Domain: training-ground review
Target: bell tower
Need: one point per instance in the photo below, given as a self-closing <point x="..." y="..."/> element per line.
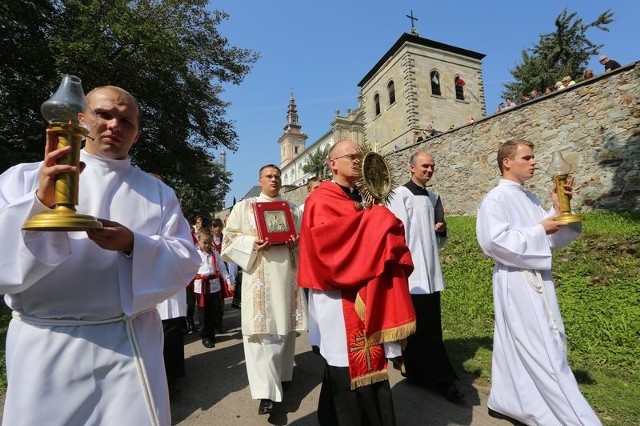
<point x="293" y="139"/>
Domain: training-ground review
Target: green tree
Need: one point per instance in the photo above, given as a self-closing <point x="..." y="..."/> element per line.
<point x="317" y="163"/>
<point x="26" y="78"/>
<point x="167" y="53"/>
<point x="563" y="52"/>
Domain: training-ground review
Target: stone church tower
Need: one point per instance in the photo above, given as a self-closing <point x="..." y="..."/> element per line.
<point x="293" y="139"/>
<point x="417" y="85"/>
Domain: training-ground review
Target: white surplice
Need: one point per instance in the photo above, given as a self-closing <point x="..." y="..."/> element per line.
<point x="530" y="378"/>
<point x="85" y="311"/>
<point x="417" y="215"/>
<point x="174" y="307"/>
<point x="272" y="302"/>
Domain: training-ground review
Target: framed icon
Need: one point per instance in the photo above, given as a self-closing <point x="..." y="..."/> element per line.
<point x="274" y="221"/>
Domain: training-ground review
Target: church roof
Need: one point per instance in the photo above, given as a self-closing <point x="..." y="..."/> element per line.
<point x="253" y="192"/>
<point x="256" y="190"/>
<point x="411" y="38"/>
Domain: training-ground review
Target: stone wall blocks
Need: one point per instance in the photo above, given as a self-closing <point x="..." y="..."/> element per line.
<point x="597" y="125"/>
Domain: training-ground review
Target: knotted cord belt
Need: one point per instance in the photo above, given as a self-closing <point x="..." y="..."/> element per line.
<point x="133" y="340"/>
<point x="534" y="279"/>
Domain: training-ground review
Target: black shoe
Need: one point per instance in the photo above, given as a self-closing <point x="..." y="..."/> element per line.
<point x="398" y="364"/>
<point x="208" y="343"/>
<point x="315" y="349"/>
<point x="501" y="416"/>
<point x="191" y="326"/>
<point x="450" y="392"/>
<point x="266" y="406"/>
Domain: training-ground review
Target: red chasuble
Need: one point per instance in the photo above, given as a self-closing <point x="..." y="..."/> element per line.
<point x="363" y="254"/>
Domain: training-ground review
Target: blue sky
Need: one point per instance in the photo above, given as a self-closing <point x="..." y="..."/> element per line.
<point x="321" y="49"/>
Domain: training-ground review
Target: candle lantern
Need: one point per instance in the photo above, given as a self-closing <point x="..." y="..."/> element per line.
<point x="560" y="169"/>
<point x="71" y="118"/>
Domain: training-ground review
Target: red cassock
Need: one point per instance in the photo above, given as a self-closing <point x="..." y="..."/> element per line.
<point x="364" y="255"/>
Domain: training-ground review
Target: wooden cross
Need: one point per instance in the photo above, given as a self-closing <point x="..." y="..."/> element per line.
<point x="363" y="346"/>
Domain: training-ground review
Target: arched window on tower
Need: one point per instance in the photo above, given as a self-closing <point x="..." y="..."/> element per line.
<point x="459" y="83"/>
<point x="435" y="83"/>
<point x="376" y="103"/>
<point x="392" y="92"/>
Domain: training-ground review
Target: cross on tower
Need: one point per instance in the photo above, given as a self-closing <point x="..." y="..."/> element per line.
<point x="413" y="27"/>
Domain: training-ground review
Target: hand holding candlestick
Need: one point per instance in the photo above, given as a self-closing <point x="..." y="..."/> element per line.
<point x="70" y="119"/>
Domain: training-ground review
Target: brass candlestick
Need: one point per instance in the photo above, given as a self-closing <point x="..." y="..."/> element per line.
<point x="70" y="117"/>
<point x="560" y="170"/>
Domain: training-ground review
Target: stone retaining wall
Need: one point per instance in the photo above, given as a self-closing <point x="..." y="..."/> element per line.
<point x="596" y="125"/>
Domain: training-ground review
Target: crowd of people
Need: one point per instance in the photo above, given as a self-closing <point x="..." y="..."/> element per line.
<point x="564" y="83"/>
<point x="99" y="315"/>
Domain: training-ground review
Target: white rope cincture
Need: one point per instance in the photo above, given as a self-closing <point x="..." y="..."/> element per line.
<point x="534" y="279"/>
<point x="133" y="341"/>
<point x="142" y="371"/>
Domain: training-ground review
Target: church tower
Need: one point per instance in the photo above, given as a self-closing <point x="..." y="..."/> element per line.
<point x="293" y="139"/>
<point x="420" y="87"/>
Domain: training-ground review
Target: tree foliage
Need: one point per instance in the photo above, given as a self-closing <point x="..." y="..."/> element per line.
<point x="167" y="53"/>
<point x="564" y="52"/>
<point x="317" y="163"/>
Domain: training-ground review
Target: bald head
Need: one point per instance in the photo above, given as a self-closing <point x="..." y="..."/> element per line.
<point x="344" y="162"/>
<point x="122" y="95"/>
<point x="421" y="165"/>
<point x="337" y="149"/>
<point x="117" y="127"/>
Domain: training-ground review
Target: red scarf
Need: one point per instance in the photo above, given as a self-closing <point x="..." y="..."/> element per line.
<point x="217" y="246"/>
<point x="205" y="289"/>
<point x="363" y="254"/>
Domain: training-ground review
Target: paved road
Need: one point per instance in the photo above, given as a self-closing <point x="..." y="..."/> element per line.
<point x="216" y="390"/>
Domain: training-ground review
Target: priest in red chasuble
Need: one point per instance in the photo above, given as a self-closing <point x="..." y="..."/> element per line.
<point x="355" y="262"/>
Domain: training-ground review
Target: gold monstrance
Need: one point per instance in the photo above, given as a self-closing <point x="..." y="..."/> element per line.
<point x="70" y="116"/>
<point x="560" y="169"/>
<point x="374" y="181"/>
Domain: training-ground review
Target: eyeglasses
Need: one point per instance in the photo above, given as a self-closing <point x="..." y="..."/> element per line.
<point x="351" y="157"/>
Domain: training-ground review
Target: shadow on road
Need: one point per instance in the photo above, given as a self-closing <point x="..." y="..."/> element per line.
<point x="211" y="374"/>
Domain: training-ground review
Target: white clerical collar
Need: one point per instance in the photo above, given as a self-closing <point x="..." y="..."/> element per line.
<point x="512" y="184"/>
<point x="107" y="163"/>
<point x="263" y="195"/>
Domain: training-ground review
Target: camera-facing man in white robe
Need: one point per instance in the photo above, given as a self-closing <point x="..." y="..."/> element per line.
<point x="85" y="344"/>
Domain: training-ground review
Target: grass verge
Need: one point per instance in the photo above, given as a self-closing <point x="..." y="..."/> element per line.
<point x="598" y="279"/>
<point x="598" y="287"/>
